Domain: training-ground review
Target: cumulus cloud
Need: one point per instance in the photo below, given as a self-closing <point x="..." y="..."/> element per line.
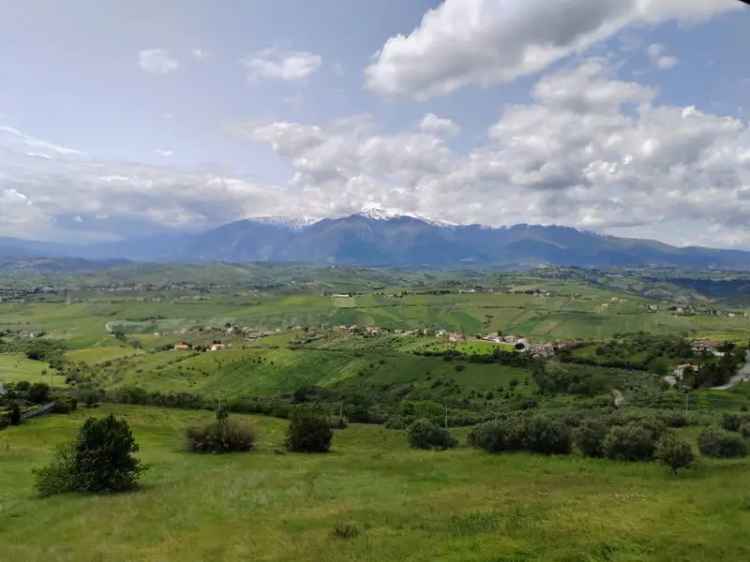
<point x="281" y="64"/>
<point x="483" y="42"/>
<point x="157" y="61"/>
<point x="658" y="57"/>
<point x="71" y="196"/>
<point x="590" y="151"/>
<point x="431" y="123"/>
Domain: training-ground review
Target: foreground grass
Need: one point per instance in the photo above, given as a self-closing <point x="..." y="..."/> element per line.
<point x="460" y="505"/>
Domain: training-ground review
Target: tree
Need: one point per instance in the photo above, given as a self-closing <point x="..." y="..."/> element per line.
<point x="631" y="442"/>
<point x="99" y="460"/>
<point x="309" y="433"/>
<point x="674" y="452"/>
<point x="15" y="414"/>
<point x="589" y="438"/>
<point x="39" y="393"/>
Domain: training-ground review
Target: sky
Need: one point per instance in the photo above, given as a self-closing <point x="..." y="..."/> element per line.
<point x="624" y="117"/>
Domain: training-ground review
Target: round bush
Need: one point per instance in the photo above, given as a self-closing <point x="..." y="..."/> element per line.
<point x="499" y="436"/>
<point x="548" y="436"/>
<point x="631" y="442"/>
<point x="222" y="436"/>
<point x="715" y="442"/>
<point x="589" y="438"/>
<point x="309" y="433"/>
<point x="674" y="453"/>
<point x="423" y="434"/>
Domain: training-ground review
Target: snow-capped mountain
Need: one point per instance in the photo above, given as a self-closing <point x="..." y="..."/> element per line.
<point x="376" y="237"/>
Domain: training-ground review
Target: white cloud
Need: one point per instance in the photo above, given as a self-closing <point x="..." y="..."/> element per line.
<point x="483" y="42"/>
<point x="43" y="198"/>
<point x="199" y="54"/>
<point x="164" y="152"/>
<point x="431" y="123"/>
<point x="157" y="61"/>
<point x="280" y="64"/>
<point x="658" y="57"/>
<point x="590" y="151"/>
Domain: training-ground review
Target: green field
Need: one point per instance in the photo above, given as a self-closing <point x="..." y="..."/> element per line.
<point x="15" y="367"/>
<point x="462" y="505"/>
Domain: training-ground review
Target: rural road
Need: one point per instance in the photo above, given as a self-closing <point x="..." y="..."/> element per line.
<point x="741" y="376"/>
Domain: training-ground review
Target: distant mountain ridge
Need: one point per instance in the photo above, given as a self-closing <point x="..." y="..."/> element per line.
<point x="375" y="238"/>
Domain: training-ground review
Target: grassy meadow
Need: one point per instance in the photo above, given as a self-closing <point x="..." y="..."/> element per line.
<point x="458" y="505"/>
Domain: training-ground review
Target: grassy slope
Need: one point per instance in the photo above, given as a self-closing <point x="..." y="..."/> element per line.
<point x="15" y="367"/>
<point x="461" y="505"/>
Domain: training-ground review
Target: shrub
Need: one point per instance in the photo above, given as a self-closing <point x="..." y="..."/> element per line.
<point x="221" y="436"/>
<point x="65" y="405"/>
<point x="15" y="414"/>
<point x="589" y="438"/>
<point x="499" y="436"/>
<point x="745" y="430"/>
<point x="733" y="422"/>
<point x="396" y="422"/>
<point x="716" y="442"/>
<point x="548" y="436"/>
<point x="423" y="434"/>
<point x="631" y="442"/>
<point x="345" y="530"/>
<point x="100" y="460"/>
<point x="309" y="433"/>
<point x="674" y="452"/>
<point x="39" y="393"/>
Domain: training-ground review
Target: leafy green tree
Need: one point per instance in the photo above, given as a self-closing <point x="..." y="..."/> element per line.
<point x="99" y="460"/>
<point x="15" y="414"/>
<point x="39" y="393"/>
<point x="674" y="453"/>
<point x="309" y="433"/>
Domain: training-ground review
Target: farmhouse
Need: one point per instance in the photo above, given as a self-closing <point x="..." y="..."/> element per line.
<point x="217" y="346"/>
<point x="183" y="346"/>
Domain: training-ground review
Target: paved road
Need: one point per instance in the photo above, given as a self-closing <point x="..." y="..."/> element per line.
<point x="742" y="376"/>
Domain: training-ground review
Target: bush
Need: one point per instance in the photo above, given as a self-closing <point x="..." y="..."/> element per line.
<point x="674" y="453"/>
<point x="396" y="422"/>
<point x="745" y="430"/>
<point x="309" y="433"/>
<point x="100" y="460"/>
<point x="65" y="405"/>
<point x="39" y="393"/>
<point x="631" y="442"/>
<point x="547" y="436"/>
<point x="345" y="530"/>
<point x="733" y="422"/>
<point x="423" y="434"/>
<point x="589" y="438"/>
<point x="716" y="442"/>
<point x="499" y="436"/>
<point x="222" y="436"/>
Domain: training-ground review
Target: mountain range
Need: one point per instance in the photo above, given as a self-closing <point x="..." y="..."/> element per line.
<point x="380" y="239"/>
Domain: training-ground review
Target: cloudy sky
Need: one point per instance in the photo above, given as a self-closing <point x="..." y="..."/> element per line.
<point x="626" y="117"/>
